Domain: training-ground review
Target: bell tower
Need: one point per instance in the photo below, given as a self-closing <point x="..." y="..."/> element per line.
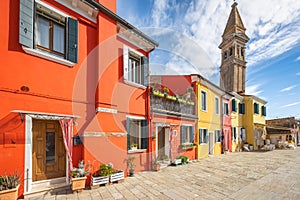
<point x="233" y="45"/>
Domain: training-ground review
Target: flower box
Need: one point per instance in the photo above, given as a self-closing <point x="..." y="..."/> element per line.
<point x="177" y="161"/>
<point x="99" y="180"/>
<point x="188" y="146"/>
<point x="10" y="194"/>
<point x="117" y="176"/>
<point x="157" y="93"/>
<point x="171" y="97"/>
<point x="78" y="183"/>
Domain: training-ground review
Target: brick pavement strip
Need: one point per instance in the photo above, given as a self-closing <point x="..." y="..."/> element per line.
<point x="243" y="175"/>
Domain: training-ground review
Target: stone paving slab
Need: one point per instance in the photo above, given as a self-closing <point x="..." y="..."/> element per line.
<point x="242" y="175"/>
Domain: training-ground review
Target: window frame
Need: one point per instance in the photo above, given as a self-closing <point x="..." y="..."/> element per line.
<point x="142" y="131"/>
<point x="226" y="108"/>
<point x="256" y="108"/>
<point x="205" y="102"/>
<point x="28" y="29"/>
<point x="233" y="105"/>
<point x="203" y="136"/>
<point x="189" y="134"/>
<point x="218" y="136"/>
<point x="217" y="105"/>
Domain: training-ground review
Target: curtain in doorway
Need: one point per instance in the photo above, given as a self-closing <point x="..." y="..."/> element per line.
<point x="67" y="130"/>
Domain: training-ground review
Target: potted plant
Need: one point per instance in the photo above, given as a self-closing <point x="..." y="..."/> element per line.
<point x="102" y="175"/>
<point x="9" y="186"/>
<point x="133" y="146"/>
<point x="155" y="165"/>
<point x="79" y="176"/>
<point x="131" y="165"/>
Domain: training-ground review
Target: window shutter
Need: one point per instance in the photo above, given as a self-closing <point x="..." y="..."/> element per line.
<point x="128" y="132"/>
<point x="233" y="105"/>
<point x="125" y="62"/>
<point x="145" y="68"/>
<point x="144" y="139"/>
<point x="26" y="23"/>
<point x="192" y="134"/>
<point x="182" y="133"/>
<point x="72" y="50"/>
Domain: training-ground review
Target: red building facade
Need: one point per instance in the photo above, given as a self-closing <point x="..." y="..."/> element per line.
<point x="74" y="86"/>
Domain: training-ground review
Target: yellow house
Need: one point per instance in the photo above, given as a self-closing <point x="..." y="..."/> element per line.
<point x="254" y="121"/>
<point x="237" y="121"/>
<point x="209" y="117"/>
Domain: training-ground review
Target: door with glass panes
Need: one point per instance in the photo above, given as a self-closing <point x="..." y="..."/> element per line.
<point x="48" y="152"/>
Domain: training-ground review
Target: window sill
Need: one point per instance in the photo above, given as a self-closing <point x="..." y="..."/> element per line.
<point x="135" y="84"/>
<point x="137" y="151"/>
<point x="47" y="56"/>
<point x="202" y="144"/>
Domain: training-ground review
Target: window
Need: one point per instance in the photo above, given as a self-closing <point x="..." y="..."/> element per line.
<point x="218" y="136"/>
<point x="203" y="101"/>
<point x="225" y="55"/>
<point x="234" y="136"/>
<point x="243" y="134"/>
<point x="54" y="33"/>
<point x="187" y="134"/>
<point x="137" y="133"/>
<point x="233" y="105"/>
<point x="241" y="108"/>
<point x="136" y="67"/>
<point x="226" y="109"/>
<point x="217" y="105"/>
<point x="203" y="136"/>
<point x="230" y="51"/>
<point x="256" y="108"/>
<point x="263" y="110"/>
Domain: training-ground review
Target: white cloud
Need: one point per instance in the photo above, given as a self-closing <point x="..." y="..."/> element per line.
<point x="291" y="104"/>
<point x="288" y="88"/>
<point x="254" y="89"/>
<point x="272" y="25"/>
<point x="297" y="59"/>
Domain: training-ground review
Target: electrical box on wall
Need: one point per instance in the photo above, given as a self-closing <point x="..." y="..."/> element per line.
<point x="77" y="140"/>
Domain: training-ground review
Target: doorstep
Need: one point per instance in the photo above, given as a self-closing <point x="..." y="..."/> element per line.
<point x="42" y="188"/>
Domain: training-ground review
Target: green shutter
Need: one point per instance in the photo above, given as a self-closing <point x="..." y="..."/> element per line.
<point x="72" y="50"/>
<point x="145" y="137"/>
<point x="200" y="136"/>
<point x="233" y="104"/>
<point x="145" y="68"/>
<point x="26" y="23"/>
<point x="192" y="134"/>
<point x="182" y="134"/>
<point x="128" y="132"/>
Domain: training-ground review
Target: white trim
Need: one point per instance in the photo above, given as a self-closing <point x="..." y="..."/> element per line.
<point x="45" y="115"/>
<point x="51" y="8"/>
<point x="79" y="10"/>
<point x="137" y="151"/>
<point x="48" y="56"/>
<point x="134" y="84"/>
<point x="187" y="125"/>
<point x="28" y="154"/>
<point x="106" y="110"/>
<point x="28" y="183"/>
<point x="135" y="117"/>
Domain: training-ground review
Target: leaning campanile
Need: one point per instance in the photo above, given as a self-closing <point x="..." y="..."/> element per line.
<point x="233" y="64"/>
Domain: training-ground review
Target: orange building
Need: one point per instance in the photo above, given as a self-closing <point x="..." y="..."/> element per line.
<point x="173" y="117"/>
<point x="74" y="85"/>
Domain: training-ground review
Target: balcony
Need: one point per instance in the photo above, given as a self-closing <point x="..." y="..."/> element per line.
<point x="172" y="105"/>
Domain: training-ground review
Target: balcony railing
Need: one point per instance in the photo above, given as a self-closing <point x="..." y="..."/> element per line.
<point x="171" y="105"/>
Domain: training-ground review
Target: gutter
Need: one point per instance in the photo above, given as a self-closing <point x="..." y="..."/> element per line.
<point x="114" y="16"/>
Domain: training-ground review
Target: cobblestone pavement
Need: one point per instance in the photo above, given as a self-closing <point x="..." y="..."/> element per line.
<point x="244" y="175"/>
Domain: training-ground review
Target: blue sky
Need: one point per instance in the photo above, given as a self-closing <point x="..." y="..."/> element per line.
<point x="189" y="32"/>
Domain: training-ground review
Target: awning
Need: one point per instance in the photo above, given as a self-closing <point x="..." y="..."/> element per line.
<point x="46" y="116"/>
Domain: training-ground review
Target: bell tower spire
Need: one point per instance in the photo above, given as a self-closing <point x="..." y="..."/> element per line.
<point x="233" y="45"/>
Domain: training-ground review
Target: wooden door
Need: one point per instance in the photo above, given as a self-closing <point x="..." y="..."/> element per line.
<point x="161" y="142"/>
<point x="48" y="152"/>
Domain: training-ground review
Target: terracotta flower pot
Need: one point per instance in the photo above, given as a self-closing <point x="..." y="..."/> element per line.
<point x="9" y="194"/>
